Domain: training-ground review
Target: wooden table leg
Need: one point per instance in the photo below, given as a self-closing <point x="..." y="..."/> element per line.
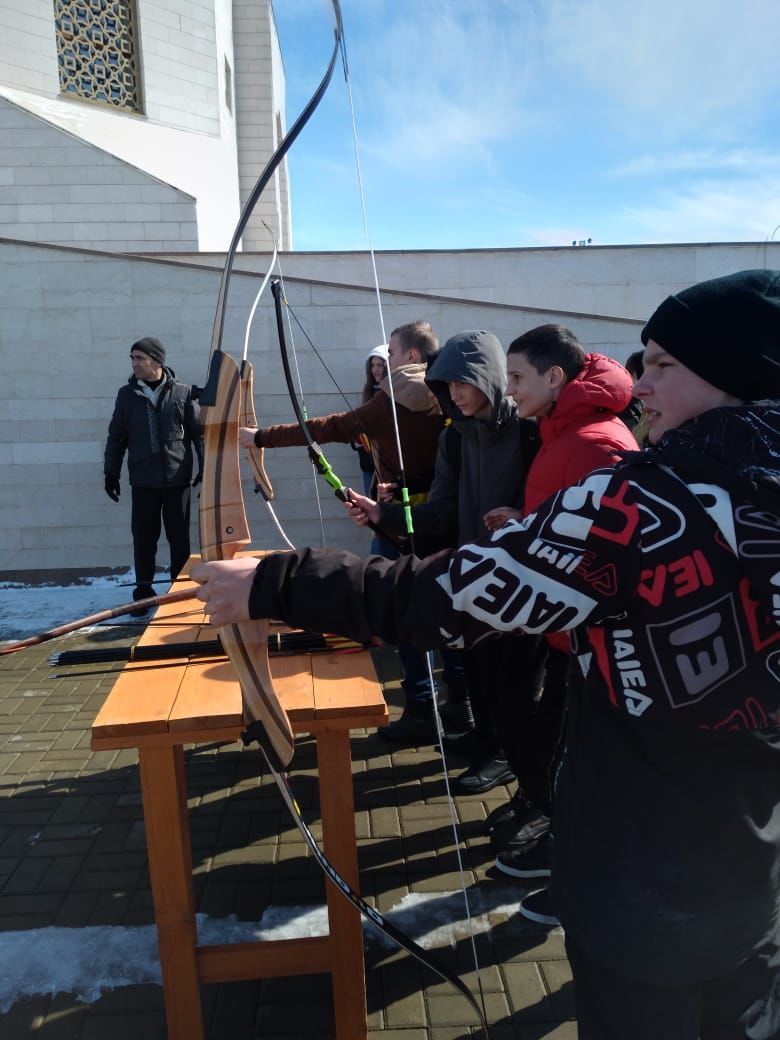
<point x="163" y="785"/>
<point x="337" y="805"/>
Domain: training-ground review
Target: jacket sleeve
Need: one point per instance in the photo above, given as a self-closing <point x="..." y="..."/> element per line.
<point x="575" y="561"/>
<point x="193" y="426"/>
<point x="116" y="444"/>
<point x="339" y="428"/>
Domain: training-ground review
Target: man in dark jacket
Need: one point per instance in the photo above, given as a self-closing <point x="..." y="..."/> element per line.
<point x="157" y="422"/>
<point x="666" y="843"/>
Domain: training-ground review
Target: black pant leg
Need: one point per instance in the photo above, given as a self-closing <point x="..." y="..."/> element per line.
<point x="548" y="726"/>
<point x="176" y="518"/>
<point x="519" y="675"/>
<point x="742" y="1005"/>
<point x="746" y="1002"/>
<point x="479" y="666"/>
<point x="610" y="1007"/>
<point x="145" y="526"/>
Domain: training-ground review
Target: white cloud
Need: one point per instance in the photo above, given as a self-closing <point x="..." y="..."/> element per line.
<point x="521" y="112"/>
<point x="705" y="160"/>
<point x="676" y="62"/>
<point x="447" y="81"/>
<point x="741" y="210"/>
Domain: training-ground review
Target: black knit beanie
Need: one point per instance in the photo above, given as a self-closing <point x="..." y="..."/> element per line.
<point x="727" y="331"/>
<point x="151" y="346"/>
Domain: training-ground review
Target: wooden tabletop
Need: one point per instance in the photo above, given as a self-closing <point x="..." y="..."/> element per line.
<point x="191" y="701"/>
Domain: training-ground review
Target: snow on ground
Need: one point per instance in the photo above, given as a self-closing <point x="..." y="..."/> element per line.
<point x="28" y="609"/>
<point x="89" y="961"/>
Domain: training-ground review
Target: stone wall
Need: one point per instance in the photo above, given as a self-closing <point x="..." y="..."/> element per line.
<point x="57" y="188"/>
<point x="69" y="317"/>
<point x="626" y="281"/>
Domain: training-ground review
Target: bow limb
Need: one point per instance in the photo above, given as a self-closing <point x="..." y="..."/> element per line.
<point x="255" y="456"/>
<point x="223" y="525"/>
<point x="316" y="454"/>
<point x="248" y="417"/>
<point x="284" y="146"/>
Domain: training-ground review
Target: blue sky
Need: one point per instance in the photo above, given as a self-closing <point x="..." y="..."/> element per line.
<point x="494" y="123"/>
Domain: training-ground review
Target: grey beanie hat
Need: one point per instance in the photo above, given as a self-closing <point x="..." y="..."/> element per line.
<point x="151" y="346"/>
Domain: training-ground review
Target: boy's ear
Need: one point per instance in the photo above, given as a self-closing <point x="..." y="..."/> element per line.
<point x="557" y="377"/>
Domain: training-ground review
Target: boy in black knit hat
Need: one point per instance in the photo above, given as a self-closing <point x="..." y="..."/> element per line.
<point x="666" y="570"/>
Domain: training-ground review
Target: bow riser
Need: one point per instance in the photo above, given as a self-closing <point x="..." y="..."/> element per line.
<point x="223" y="525"/>
<point x="223" y="532"/>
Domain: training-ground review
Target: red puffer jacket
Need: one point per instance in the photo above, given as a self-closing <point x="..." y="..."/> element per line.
<point x="582" y="433"/>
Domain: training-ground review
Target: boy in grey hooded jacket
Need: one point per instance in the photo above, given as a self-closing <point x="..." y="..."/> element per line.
<point x="482" y="461"/>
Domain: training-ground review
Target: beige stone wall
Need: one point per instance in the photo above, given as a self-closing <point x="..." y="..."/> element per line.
<point x="626" y="281"/>
<point x="69" y="317"/>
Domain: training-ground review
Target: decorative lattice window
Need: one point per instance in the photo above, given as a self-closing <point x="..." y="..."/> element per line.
<point x="96" y="51"/>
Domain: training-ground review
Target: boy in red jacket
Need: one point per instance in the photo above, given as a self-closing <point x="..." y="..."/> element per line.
<point x="576" y="399"/>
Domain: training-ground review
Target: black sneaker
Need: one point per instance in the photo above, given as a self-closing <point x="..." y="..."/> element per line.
<point x="531" y="862"/>
<point x="528" y="826"/>
<point x="409" y="729"/>
<point x="506" y="811"/>
<point x="141" y="592"/>
<point x="536" y="907"/>
<point x="484" y="776"/>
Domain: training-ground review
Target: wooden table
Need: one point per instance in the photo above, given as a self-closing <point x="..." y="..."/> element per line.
<point x="160" y="711"/>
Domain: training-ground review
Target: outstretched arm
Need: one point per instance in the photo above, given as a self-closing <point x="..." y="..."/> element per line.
<point x="339" y="428"/>
<point x="544" y="574"/>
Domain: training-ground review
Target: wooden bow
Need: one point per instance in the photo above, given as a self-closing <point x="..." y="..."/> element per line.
<point x="224" y="531"/>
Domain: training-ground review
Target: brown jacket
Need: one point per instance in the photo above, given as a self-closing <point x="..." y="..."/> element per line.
<point x="419" y="423"/>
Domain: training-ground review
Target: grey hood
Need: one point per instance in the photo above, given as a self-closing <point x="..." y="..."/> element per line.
<point x="477" y="358"/>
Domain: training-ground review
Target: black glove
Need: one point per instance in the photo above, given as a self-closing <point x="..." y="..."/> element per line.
<point x="198" y="478"/>
<point x="112" y="487"/>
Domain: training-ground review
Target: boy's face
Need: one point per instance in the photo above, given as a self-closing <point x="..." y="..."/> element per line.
<point x="472" y="403"/>
<point x="398" y="354"/>
<point x="533" y="392"/>
<point x="671" y="393"/>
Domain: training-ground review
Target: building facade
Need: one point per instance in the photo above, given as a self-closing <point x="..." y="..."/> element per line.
<point x="138" y="125"/>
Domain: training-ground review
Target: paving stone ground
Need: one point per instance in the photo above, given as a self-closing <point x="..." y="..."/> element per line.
<point x="72" y="853"/>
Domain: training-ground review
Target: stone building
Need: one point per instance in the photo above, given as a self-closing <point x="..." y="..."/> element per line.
<point x="132" y="125"/>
